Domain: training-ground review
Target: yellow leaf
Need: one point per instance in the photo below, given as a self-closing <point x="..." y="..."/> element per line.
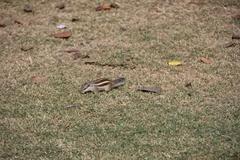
<point x="174" y="63"/>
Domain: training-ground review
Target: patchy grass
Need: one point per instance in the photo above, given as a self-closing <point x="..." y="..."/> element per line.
<point x="200" y="122"/>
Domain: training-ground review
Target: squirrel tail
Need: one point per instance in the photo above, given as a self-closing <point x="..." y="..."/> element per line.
<point x="118" y="82"/>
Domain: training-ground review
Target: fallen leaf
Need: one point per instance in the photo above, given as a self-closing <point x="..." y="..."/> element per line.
<point x="174" y="63"/>
<point x="65" y="34"/>
<point x="60" y="5"/>
<point x="205" y="60"/>
<point x="27" y="8"/>
<point x="149" y="89"/>
<point x="38" y="79"/>
<point x="103" y="7"/>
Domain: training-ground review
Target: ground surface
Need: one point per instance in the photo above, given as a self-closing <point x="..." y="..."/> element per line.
<point x="136" y="41"/>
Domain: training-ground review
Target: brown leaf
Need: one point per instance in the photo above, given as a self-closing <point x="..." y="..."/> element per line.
<point x="65" y="34"/>
<point x="38" y="79"/>
<point x="205" y="60"/>
<point x="103" y="7"/>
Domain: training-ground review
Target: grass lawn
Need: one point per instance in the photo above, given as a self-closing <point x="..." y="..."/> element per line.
<point x="136" y="41"/>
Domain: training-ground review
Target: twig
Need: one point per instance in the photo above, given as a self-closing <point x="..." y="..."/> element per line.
<point x="72" y="106"/>
<point x="108" y="65"/>
<point x="149" y="89"/>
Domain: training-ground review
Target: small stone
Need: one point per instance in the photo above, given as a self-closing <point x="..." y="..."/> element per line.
<point x="2" y="24"/>
<point x="74" y="19"/>
<point x="188" y="84"/>
<point x="115" y="5"/>
<point x="27" y="8"/>
<point x="123" y="29"/>
<point x="60" y="5"/>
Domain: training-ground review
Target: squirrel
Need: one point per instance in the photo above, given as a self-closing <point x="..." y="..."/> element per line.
<point x="103" y="84"/>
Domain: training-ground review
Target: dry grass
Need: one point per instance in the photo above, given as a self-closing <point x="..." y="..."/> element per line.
<point x="201" y="122"/>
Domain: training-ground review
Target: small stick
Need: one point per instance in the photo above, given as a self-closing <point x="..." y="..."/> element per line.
<point x="149" y="89"/>
<point x="71" y="50"/>
<point x="72" y="106"/>
<point x="108" y="65"/>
